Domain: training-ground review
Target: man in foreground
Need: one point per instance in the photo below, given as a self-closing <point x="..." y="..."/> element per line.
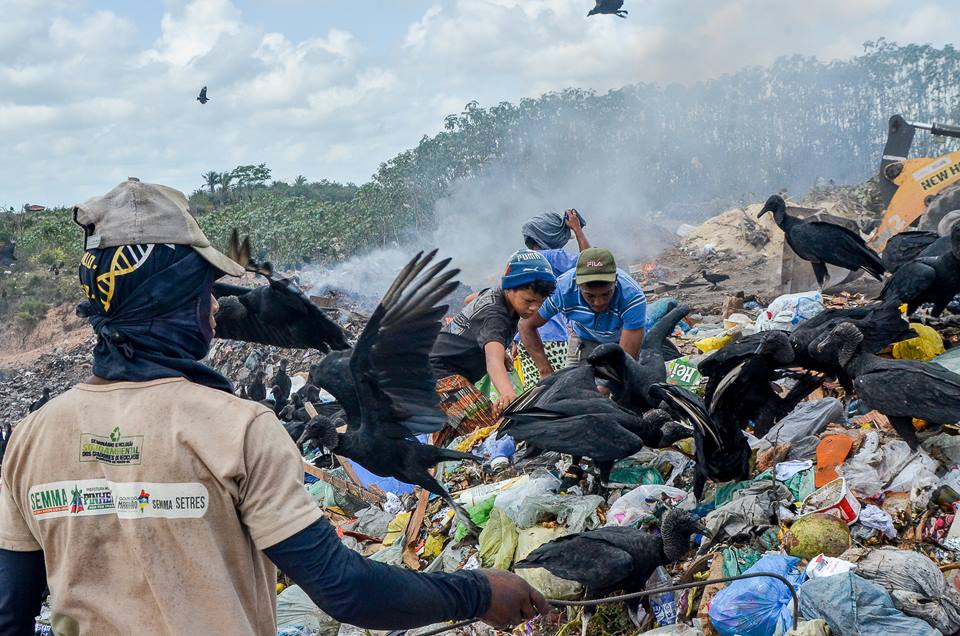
<point x="154" y="501"/>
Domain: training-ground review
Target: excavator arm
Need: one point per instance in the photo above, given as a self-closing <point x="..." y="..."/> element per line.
<point x="908" y="186"/>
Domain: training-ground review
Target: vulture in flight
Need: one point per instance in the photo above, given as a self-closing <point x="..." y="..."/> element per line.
<point x="609" y="7"/>
<point x="277" y="314"/>
<point x="202" y="97"/>
<point x="823" y="243"/>
<point x="386" y="387"/>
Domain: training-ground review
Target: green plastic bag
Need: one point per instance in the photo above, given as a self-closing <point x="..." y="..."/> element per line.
<point x="485" y="386"/>
<point x="498" y="541"/>
<point x="736" y="561"/>
<point x="627" y="471"/>
<point x="478" y="514"/>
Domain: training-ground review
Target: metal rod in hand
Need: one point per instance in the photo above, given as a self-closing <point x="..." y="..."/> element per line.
<point x="626" y="597"/>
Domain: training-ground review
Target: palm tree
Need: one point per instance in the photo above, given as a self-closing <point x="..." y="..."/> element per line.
<point x="211" y="180"/>
<point x="300" y="181"/>
<point x="225" y="180"/>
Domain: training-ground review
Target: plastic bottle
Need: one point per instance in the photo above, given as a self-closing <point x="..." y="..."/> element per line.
<point x="664" y="604"/>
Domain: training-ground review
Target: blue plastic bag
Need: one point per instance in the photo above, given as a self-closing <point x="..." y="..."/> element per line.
<point x="761" y="606"/>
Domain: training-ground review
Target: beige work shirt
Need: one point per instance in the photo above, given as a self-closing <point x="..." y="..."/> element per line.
<point x="152" y="502"/>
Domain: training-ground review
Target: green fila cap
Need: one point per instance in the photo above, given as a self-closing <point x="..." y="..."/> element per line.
<point x="596" y="265"/>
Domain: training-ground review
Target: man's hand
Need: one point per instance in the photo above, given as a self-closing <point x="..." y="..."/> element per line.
<point x="573" y="220"/>
<point x="504" y="401"/>
<point x="512" y="600"/>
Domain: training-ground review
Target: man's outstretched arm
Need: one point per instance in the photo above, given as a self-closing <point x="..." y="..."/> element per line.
<point x="373" y="595"/>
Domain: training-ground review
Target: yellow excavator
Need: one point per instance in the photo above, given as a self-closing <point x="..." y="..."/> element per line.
<point x="923" y="188"/>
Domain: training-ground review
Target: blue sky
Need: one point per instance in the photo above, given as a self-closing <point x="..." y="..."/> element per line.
<point x="93" y="92"/>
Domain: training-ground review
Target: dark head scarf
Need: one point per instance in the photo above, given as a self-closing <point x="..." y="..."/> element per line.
<point x="150" y="308"/>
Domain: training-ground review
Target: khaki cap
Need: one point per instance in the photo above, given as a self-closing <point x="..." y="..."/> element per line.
<point x="596" y="265"/>
<point x="136" y="213"/>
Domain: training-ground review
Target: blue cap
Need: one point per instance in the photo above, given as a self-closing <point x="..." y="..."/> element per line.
<point x="524" y="267"/>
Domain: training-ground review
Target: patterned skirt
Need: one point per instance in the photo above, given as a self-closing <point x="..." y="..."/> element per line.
<point x="466" y="408"/>
<point x="556" y="353"/>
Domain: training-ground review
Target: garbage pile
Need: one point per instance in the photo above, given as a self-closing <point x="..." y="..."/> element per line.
<point x="863" y="526"/>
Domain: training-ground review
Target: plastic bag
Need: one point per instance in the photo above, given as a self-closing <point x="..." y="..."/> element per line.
<point x="809" y="418"/>
<point x="789" y="310"/>
<point x="707" y="345"/>
<point x="926" y="346"/>
<point x="915" y="583"/>
<point x="574" y="512"/>
<point x="295" y="609"/>
<point x="759" y="606"/>
<point x="641" y="502"/>
<point x="498" y="541"/>
<point x="540" y="579"/>
<point x="853" y="605"/>
<point x="511" y="499"/>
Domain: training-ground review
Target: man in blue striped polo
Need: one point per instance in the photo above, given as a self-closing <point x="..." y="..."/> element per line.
<point x="601" y="304"/>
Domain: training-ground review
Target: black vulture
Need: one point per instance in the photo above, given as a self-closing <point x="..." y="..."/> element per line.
<point x="589" y="426"/>
<point x="934" y="279"/>
<point x="630" y="380"/>
<point x="36" y="404"/>
<point x="385" y="384"/>
<point x="202" y="97"/>
<point x="713" y="279"/>
<point x="609" y="7"/>
<point x="282" y="380"/>
<point x="823" y="243"/>
<point x="277" y="314"/>
<point x="258" y="389"/>
<point x="900" y="389"/>
<point x="721" y="449"/>
<point x="614" y="559"/>
<point x="743" y="392"/>
<point x="904" y="247"/>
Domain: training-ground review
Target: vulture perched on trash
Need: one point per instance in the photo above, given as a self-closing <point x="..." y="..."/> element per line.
<point x="37" y="404"/>
<point x="386" y="387"/>
<point x="740" y="388"/>
<point x="608" y="7"/>
<point x="587" y="425"/>
<point x="906" y="246"/>
<point x="932" y="279"/>
<point x="900" y="389"/>
<point x="616" y="559"/>
<point x="277" y="314"/>
<point x="721" y="449"/>
<point x="823" y="243"/>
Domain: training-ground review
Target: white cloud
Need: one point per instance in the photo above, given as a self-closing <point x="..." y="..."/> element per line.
<point x="91" y="99"/>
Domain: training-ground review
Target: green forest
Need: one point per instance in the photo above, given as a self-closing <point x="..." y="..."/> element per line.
<point x="693" y="150"/>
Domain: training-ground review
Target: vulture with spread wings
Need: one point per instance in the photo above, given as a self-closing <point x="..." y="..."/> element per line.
<point x="386" y="386"/>
<point x="277" y="314"/>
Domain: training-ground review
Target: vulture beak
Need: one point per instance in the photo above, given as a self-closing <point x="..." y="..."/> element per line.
<point x="758" y="349"/>
<point x="822" y="346"/>
<point x="763" y="211"/>
<point x="702" y="529"/>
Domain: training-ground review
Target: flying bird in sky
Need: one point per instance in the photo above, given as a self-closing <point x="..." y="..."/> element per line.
<point x="609" y="7"/>
<point x="202" y="97"/>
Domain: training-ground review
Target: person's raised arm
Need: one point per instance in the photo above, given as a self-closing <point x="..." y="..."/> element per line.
<point x="573" y="222"/>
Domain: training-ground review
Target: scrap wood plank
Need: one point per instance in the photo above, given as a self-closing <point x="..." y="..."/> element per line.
<point x="412" y="531"/>
<point x="344" y="485"/>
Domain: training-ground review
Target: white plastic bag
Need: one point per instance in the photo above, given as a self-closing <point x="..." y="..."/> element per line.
<point x="640" y="502"/>
<point x="789" y="310"/>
